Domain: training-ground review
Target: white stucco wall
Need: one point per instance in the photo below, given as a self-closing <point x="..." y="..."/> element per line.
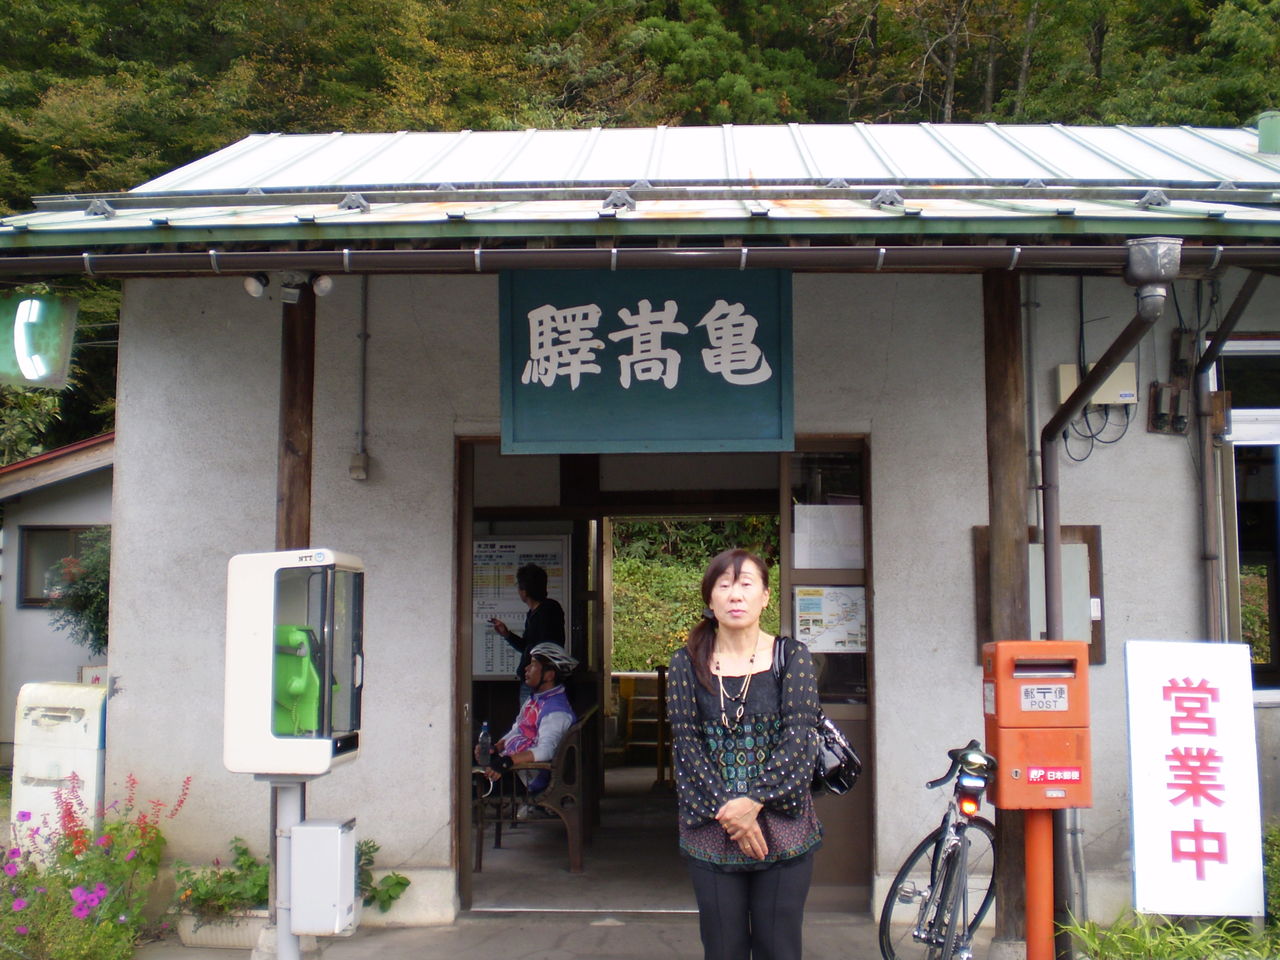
<point x="31" y="651"/>
<point x="897" y="358"/>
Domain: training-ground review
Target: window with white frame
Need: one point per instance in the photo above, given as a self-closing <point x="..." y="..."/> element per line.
<point x="1250" y="370"/>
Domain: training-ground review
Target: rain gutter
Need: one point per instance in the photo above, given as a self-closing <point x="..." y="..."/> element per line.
<point x="214" y="262"/>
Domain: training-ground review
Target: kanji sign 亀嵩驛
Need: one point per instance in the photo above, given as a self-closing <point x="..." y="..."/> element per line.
<point x="646" y="360"/>
<point x="1194" y="775"/>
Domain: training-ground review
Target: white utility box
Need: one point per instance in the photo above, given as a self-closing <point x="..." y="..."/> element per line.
<point x="59" y="736"/>
<point x="323" y="899"/>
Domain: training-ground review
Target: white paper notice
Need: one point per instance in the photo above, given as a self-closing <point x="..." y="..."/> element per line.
<point x="828" y="537"/>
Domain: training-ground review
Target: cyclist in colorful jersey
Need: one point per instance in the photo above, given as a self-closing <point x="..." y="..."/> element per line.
<point x="543" y="719"/>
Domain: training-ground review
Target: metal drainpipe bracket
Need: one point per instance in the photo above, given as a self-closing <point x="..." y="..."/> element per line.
<point x="99" y="208"/>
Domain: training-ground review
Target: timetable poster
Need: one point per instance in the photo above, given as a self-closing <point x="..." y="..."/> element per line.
<point x="495" y="561"/>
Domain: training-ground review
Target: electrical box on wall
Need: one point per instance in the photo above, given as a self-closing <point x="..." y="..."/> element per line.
<point x="1119" y="388"/>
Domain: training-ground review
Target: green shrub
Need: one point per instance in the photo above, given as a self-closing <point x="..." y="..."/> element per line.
<point x="384" y="891"/>
<point x="655" y="603"/>
<point x="1154" y="937"/>
<point x="1271" y="869"/>
<point x="81" y="605"/>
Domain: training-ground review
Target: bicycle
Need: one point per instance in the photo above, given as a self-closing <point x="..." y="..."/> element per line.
<point x="937" y="921"/>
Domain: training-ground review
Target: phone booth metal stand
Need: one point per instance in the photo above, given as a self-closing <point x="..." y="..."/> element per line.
<point x="294" y="674"/>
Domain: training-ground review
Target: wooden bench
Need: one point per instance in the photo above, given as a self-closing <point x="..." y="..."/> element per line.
<point x="562" y="796"/>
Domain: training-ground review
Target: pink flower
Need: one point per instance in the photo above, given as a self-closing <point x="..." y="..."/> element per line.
<point x="92" y="901"/>
<point x="24" y="816"/>
<point x="11" y="868"/>
<point x="41" y="890"/>
<point x="21" y="931"/>
<point x="103" y="841"/>
<point x="14" y="853"/>
<point x="80" y="910"/>
<point x="78" y="894"/>
<point x="19" y="904"/>
<point x="100" y="889"/>
<point x="131" y="854"/>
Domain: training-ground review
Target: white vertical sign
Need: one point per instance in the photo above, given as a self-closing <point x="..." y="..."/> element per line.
<point x="1193" y="766"/>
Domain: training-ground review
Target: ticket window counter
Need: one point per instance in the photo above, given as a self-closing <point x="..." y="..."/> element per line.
<point x="824" y="576"/>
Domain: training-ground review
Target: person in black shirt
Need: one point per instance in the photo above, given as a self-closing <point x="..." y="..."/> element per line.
<point x="544" y="623"/>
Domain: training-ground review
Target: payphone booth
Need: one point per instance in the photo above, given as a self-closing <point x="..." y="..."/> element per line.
<point x="294" y="673"/>
<point x="294" y="662"/>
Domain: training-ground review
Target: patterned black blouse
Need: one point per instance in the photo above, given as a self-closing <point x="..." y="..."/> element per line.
<point x="768" y="757"/>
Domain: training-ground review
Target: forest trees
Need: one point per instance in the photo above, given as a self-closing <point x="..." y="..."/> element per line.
<point x="103" y="94"/>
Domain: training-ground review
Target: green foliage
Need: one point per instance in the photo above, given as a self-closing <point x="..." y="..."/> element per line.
<point x="81" y="607"/>
<point x="1154" y="937"/>
<point x="25" y="414"/>
<point x="212" y="893"/>
<point x="1255" y="611"/>
<point x="75" y="893"/>
<point x="1271" y="870"/>
<point x="695" y="541"/>
<point x="655" y="603"/>
<point x="384" y="891"/>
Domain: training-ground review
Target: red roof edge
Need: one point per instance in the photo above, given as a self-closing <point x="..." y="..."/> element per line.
<point x="60" y="452"/>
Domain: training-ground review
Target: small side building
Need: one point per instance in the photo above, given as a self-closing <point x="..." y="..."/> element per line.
<point x="47" y="502"/>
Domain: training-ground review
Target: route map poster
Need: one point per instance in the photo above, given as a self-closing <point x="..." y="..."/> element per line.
<point x="495" y="561"/>
<point x="831" y="619"/>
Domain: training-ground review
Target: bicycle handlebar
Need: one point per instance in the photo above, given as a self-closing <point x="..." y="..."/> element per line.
<point x="956" y="756"/>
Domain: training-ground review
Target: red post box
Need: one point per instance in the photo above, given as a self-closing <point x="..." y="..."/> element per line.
<point x="1035" y="700"/>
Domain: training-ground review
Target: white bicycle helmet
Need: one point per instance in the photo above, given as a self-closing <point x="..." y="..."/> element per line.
<point x="557" y="656"/>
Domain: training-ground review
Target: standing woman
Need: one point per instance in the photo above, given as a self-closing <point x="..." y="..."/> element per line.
<point x="744" y="747"/>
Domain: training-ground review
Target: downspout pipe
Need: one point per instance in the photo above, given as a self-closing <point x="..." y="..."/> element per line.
<point x="1210" y="506"/>
<point x="1153" y="263"/>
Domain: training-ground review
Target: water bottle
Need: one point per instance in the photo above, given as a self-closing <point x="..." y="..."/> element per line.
<point x="484" y="743"/>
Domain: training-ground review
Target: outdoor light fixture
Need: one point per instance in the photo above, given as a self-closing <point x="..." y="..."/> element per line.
<point x="1152" y="264"/>
<point x="255" y="284"/>
<point x="322" y="284"/>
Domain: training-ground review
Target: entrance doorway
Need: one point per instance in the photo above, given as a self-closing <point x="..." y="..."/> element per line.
<point x="568" y="505"/>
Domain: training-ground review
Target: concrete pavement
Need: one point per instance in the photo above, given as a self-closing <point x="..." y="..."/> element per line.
<point x="554" y="936"/>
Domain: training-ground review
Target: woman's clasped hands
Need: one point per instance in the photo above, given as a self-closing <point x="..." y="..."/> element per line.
<point x="738" y="817"/>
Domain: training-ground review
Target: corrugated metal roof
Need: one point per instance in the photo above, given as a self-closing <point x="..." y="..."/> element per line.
<point x="855" y="152"/>
<point x="749" y="180"/>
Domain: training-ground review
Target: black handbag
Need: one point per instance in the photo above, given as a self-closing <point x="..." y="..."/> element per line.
<point x="838" y="765"/>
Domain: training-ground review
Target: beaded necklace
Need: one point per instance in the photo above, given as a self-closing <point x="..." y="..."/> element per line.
<point x="740" y="699"/>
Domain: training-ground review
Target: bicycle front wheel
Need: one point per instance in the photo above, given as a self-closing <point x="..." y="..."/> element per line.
<point x="906" y="919"/>
<point x="912" y="923"/>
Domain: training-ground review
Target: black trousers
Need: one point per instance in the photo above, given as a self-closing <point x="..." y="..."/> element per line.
<point x="752" y="914"/>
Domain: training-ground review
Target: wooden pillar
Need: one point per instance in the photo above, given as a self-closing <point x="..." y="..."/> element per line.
<point x="297" y="390"/>
<point x="293" y="471"/>
<point x="1007" y="483"/>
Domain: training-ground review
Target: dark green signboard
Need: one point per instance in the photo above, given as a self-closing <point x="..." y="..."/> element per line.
<point x="595" y="361"/>
<point x="36" y="333"/>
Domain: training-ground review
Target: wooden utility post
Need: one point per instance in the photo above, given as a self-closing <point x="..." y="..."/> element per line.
<point x="297" y="390"/>
<point x="293" y="483"/>
<point x="1009" y="577"/>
